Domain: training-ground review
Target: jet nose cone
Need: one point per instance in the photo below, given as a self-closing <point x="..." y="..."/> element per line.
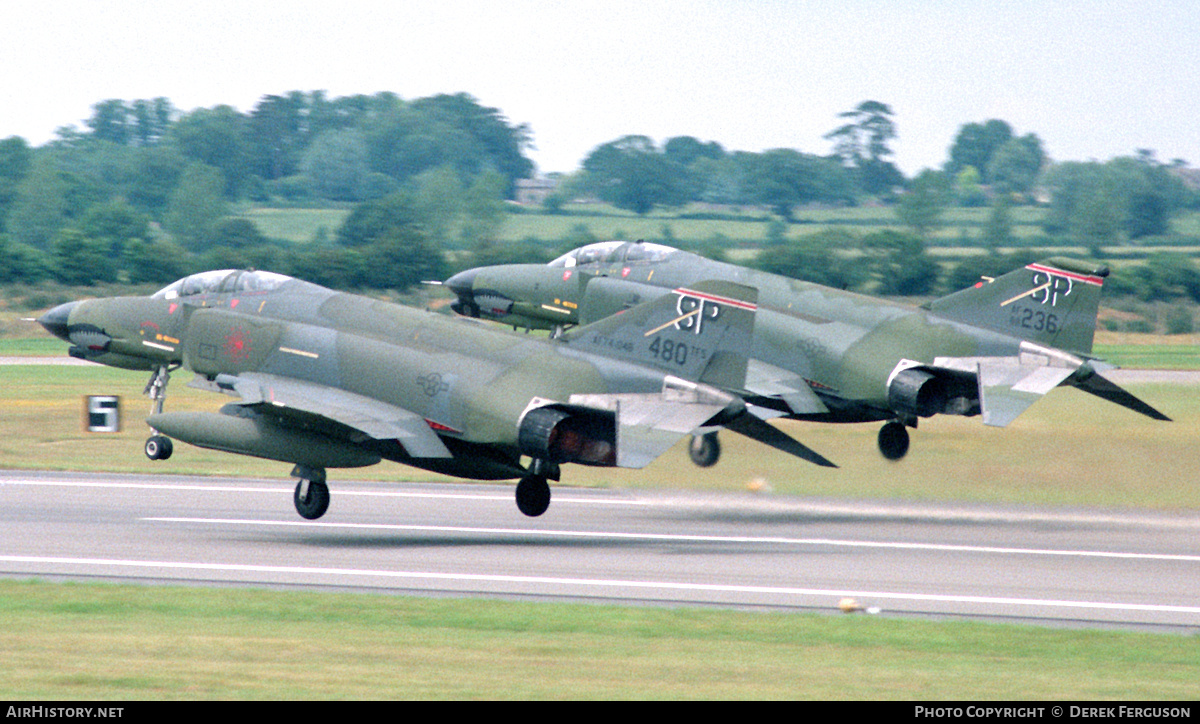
<point x="463" y="286"/>
<point x="55" y="321"/>
<point x="463" y="282"/>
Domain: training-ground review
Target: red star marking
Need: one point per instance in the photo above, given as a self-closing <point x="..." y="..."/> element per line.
<point x="237" y="346"/>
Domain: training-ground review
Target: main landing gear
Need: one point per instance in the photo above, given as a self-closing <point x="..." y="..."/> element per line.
<point x="704" y="450"/>
<point x="158" y="447"/>
<point x="533" y="491"/>
<point x="893" y="440"/>
<point x="312" y="494"/>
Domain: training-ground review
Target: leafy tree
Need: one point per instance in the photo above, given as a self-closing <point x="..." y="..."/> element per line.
<point x="1098" y="204"/>
<point x="721" y="181"/>
<point x="373" y="220"/>
<point x="22" y="263"/>
<point x="968" y="189"/>
<point x="500" y="145"/>
<point x="155" y="174"/>
<point x="196" y="206"/>
<point x="815" y="258"/>
<point x="154" y="261"/>
<point x="151" y="120"/>
<point x="484" y="208"/>
<point x="407" y="139"/>
<point x="1015" y="166"/>
<point x="338" y="166"/>
<point x="975" y="145"/>
<point x="783" y="178"/>
<point x="111" y="121"/>
<point x="79" y="260"/>
<point x="899" y="263"/>
<point x="630" y="173"/>
<point x="16" y="158"/>
<point x="922" y="207"/>
<point x="113" y="225"/>
<point x="278" y="135"/>
<point x="997" y="231"/>
<point x="237" y="234"/>
<point x="402" y="258"/>
<point x="39" y="208"/>
<point x="334" y="267"/>
<point x="217" y="137"/>
<point x="1168" y="276"/>
<point x="862" y="144"/>
<point x="440" y="200"/>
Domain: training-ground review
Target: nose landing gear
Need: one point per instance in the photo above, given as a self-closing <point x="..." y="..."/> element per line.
<point x="158" y="447"/>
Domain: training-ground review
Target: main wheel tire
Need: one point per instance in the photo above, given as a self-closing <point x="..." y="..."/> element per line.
<point x="159" y="447"/>
<point x="705" y="450"/>
<point x="893" y="441"/>
<point x="317" y="502"/>
<point x="533" y="495"/>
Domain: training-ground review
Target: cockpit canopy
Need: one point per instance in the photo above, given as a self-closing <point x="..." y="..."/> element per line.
<point x="613" y="252"/>
<point x="222" y="281"/>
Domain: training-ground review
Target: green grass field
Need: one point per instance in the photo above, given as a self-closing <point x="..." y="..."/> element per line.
<point x="607" y="222"/>
<point x="97" y="642"/>
<point x="1068" y="449"/>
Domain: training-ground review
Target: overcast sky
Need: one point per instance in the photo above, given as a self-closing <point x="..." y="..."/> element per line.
<point x="1093" y="79"/>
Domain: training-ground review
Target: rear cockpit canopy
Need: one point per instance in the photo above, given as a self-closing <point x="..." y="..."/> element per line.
<point x="222" y="281"/>
<point x="613" y="252"/>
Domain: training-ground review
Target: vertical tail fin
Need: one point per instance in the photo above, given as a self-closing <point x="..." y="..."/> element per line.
<point x="1053" y="303"/>
<point x="702" y="333"/>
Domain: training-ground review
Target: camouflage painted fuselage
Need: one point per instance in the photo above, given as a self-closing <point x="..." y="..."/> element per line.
<point x="844" y="347"/>
<point x="465" y="380"/>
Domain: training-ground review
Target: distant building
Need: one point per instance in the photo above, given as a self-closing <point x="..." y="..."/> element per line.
<point x="533" y="191"/>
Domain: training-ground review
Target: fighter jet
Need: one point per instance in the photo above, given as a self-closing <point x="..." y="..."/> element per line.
<point x="329" y="380"/>
<point x="829" y="355"/>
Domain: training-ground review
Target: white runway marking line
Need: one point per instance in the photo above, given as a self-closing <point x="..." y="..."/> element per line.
<point x="505" y="496"/>
<point x="93" y="563"/>
<point x="685" y="538"/>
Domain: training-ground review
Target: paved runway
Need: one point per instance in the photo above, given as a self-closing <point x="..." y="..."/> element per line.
<point x="1129" y="570"/>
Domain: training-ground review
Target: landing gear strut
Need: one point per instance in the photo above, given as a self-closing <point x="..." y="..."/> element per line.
<point x="893" y="440"/>
<point x="158" y="447"/>
<point x="705" y="450"/>
<point x="312" y="494"/>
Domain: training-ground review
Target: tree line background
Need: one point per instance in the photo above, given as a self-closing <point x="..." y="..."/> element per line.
<point x="146" y="193"/>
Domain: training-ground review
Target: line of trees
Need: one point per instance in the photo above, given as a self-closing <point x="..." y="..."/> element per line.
<point x="633" y="173"/>
<point x="144" y="191"/>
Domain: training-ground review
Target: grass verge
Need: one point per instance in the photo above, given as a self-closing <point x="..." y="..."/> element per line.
<point x="100" y="641"/>
<point x="1068" y="449"/>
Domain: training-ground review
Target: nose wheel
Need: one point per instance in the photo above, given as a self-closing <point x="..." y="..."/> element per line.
<point x="159" y="447"/>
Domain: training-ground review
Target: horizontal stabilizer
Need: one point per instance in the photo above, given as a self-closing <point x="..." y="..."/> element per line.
<point x="1104" y="388"/>
<point x="758" y="429"/>
<point x="1007" y="390"/>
